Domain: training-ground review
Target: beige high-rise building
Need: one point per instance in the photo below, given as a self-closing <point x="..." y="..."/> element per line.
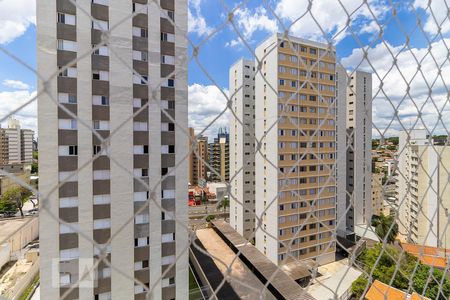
<point x="423" y="198"/>
<point x="296" y="123"/>
<point x="16" y="144"/>
<point x="377" y="193"/>
<point x="242" y="147"/>
<point x="197" y="166"/>
<point x="106" y="160"/>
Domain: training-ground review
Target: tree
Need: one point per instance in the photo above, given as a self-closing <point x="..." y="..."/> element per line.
<point x="17" y="195"/>
<point x="225" y="203"/>
<point x="7" y="207"/>
<point x="359" y="286"/>
<point x="383" y="228"/>
<point x="34" y="168"/>
<point x="393" y="264"/>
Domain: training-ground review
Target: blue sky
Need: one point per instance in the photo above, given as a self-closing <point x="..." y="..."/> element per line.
<point x="255" y="21"/>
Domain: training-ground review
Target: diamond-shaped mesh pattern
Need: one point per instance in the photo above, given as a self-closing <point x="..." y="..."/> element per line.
<point x="426" y="69"/>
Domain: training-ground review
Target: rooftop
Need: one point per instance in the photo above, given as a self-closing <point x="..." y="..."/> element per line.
<point x="431" y="256"/>
<point x="334" y="281"/>
<point x="381" y="291"/>
<point x="281" y="285"/>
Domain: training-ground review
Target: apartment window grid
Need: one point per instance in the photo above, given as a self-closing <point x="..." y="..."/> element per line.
<point x="303" y="51"/>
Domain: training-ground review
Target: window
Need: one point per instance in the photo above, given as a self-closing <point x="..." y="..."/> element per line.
<point x="68" y="150"/>
<point x="168" y="194"/>
<point x="140" y="196"/>
<point x="167" y="281"/>
<point x="140" y="8"/>
<point x="169" y="83"/>
<point x="100" y="50"/>
<point x="168" y="59"/>
<point x="168" y="13"/>
<point x="100" y="75"/>
<point x="68" y="202"/>
<point x="103" y="296"/>
<point x="166" y="149"/>
<point x="139" y="265"/>
<point x="67" y="45"/>
<point x="67" y="124"/>
<point x="100" y="100"/>
<point x="65" y="228"/>
<point x="140" y="149"/>
<point x="67" y="98"/>
<point x="167" y="37"/>
<point x="142" y="241"/>
<point x="167" y="127"/>
<point x="140" y="55"/>
<point x="70" y="72"/>
<point x="69" y="254"/>
<point x="64" y="279"/>
<point x="140" y="126"/>
<point x="66" y="19"/>
<point x="137" y="102"/>
<point x="100" y="24"/>
<point x="167" y="260"/>
<point x="102" y="248"/>
<point x="102" y="223"/>
<point x="102" y="199"/>
<point x="140" y="32"/>
<point x="101" y="2"/>
<point x="100" y="125"/>
<point x="97" y="149"/>
<point x="140" y="79"/>
<point x="101" y="175"/>
<point x="141" y="219"/>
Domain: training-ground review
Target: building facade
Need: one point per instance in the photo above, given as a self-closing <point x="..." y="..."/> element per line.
<point x="109" y="146"/>
<point x="219" y="157"/>
<point x="242" y="147"/>
<point x="355" y="200"/>
<point x="423" y="200"/>
<point x="197" y="165"/>
<point x="296" y="123"/>
<point x="16" y="144"/>
<point x="377" y="194"/>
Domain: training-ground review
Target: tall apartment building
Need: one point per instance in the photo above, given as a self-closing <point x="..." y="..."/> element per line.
<point x="423" y="198"/>
<point x="16" y="144"/>
<point x="242" y="147"/>
<point x="107" y="161"/>
<point x="377" y="193"/>
<point x="356" y="203"/>
<point x="296" y="123"/>
<point x="197" y="166"/>
<point x="219" y="157"/>
<point x="192" y="157"/>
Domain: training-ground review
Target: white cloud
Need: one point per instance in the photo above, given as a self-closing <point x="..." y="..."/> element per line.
<point x="404" y="88"/>
<point x="437" y="15"/>
<point x="10" y="101"/>
<point x="15" y="17"/>
<point x="196" y="21"/>
<point x="15" y="84"/>
<point x="249" y="22"/>
<point x="330" y="15"/>
<point x="206" y="102"/>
